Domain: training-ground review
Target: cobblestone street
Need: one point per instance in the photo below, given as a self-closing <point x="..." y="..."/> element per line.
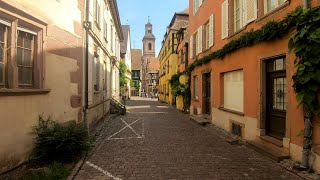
<point x="156" y="141"/>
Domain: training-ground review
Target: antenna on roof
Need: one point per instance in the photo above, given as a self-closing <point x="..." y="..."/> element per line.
<point x="127" y="22"/>
<point x="148" y="19"/>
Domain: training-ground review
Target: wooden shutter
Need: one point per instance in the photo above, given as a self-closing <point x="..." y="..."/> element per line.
<point x="225" y="19"/>
<point x="191" y="46"/>
<point x="211" y="29"/>
<point x="199" y="43"/>
<point x="250" y="11"/>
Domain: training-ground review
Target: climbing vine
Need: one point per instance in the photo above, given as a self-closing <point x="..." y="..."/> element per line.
<point x="305" y="42"/>
<point x="176" y="87"/>
<point x="122" y="74"/>
<point x="179" y="89"/>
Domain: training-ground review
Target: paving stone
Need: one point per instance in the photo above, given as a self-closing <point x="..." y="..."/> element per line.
<point x="173" y="147"/>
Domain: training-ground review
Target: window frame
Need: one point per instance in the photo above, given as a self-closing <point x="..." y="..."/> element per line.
<point x="97" y="11"/>
<point x="195" y="87"/>
<point x="225" y="95"/>
<point x="4" y="55"/>
<point x="23" y="66"/>
<point x="11" y="85"/>
<point x="240" y="19"/>
<point x="194" y="44"/>
<point x="277" y="4"/>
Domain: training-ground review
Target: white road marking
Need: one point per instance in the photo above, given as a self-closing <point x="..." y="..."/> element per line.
<point x="127" y="126"/>
<point x="130" y="127"/>
<point x="143" y="128"/>
<point x="102" y="170"/>
<point x="124" y="138"/>
<point x="163" y="107"/>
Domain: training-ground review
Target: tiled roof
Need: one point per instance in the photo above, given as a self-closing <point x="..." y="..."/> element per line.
<point x="136" y="56"/>
<point x="154" y="65"/>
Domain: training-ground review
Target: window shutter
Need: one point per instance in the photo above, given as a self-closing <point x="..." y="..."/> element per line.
<point x="211" y="30"/>
<point x="250" y="11"/>
<point x="191" y="46"/>
<point x="200" y="2"/>
<point x="199" y="45"/>
<point x="225" y="18"/>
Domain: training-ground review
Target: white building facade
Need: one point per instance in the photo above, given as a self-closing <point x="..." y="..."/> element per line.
<point x="104" y="36"/>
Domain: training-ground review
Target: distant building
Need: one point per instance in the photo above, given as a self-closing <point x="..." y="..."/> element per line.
<point x="136" y="60"/>
<point x="150" y="64"/>
<point x="125" y="48"/>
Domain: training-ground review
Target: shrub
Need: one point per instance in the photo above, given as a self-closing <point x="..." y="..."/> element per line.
<point x="60" y="142"/>
<point x="53" y="172"/>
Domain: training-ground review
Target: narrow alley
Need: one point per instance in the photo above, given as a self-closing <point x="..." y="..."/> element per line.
<point x="155" y="141"/>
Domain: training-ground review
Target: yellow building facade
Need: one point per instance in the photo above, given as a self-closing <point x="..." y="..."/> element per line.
<point x="169" y="59"/>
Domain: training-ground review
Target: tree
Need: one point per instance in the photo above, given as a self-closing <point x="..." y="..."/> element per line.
<point x="122" y="72"/>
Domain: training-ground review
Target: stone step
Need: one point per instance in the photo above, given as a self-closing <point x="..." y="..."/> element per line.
<point x="201" y="119"/>
<point x="268" y="149"/>
<point x="272" y="140"/>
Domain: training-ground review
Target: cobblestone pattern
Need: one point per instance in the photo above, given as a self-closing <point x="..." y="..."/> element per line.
<point x="173" y="147"/>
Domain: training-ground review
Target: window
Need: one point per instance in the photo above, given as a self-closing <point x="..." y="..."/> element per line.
<point x="96" y="69"/>
<point x="238" y="15"/>
<point x="149" y="46"/>
<point x="111" y="38"/>
<point x="194" y="44"/>
<point x="3" y="47"/>
<point x="196" y="5"/>
<point x="97" y="12"/>
<point x="20" y="52"/>
<point x="205" y="36"/>
<point x="105" y="30"/>
<point x="25" y="51"/>
<point x="225" y="19"/>
<point x="233" y="90"/>
<point x="272" y="4"/>
<point x="195" y="87"/>
<point x="208" y="33"/>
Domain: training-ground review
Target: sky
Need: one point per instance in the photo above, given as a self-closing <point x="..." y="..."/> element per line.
<point x="135" y="13"/>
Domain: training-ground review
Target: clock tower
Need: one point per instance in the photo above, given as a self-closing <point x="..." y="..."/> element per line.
<point x="148" y="41"/>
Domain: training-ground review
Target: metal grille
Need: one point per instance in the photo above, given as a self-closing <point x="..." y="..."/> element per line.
<point x="236" y="129"/>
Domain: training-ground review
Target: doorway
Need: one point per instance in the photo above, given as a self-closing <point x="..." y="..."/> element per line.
<point x="276" y="98"/>
<point x="206" y="93"/>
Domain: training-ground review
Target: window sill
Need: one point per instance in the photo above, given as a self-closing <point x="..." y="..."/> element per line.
<point x="237" y="32"/>
<point x="22" y="92"/>
<point x="279" y="8"/>
<point x="231" y="111"/>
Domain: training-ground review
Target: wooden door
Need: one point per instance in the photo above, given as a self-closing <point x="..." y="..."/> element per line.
<point x="206" y="93"/>
<point x="276" y="98"/>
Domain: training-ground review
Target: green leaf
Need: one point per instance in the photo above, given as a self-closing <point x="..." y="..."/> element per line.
<point x="300" y="97"/>
<point x="307" y="63"/>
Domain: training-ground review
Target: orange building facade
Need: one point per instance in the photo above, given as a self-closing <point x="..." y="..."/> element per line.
<point x="249" y="92"/>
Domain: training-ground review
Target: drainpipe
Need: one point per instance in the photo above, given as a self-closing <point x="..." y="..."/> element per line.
<point x="86" y="96"/>
<point x="307" y="141"/>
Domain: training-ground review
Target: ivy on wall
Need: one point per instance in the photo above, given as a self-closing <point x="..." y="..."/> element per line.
<point x="122" y="74"/>
<point x="179" y="89"/>
<point x="305" y="42"/>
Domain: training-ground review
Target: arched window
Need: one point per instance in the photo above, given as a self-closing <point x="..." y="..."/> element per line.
<point x="149" y="46"/>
